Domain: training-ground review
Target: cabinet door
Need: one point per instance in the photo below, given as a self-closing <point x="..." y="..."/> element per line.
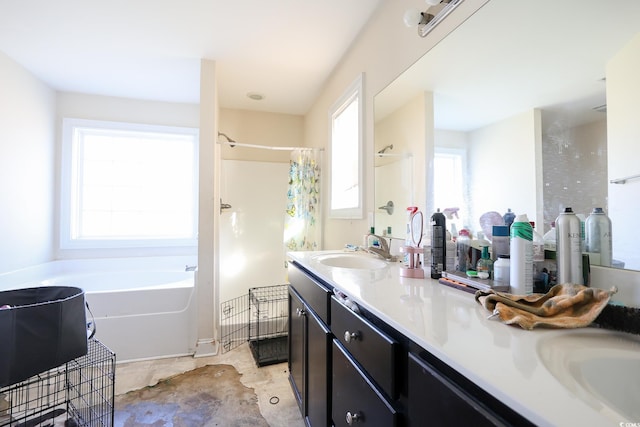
<point x="297" y="351"/>
<point x="434" y="400"/>
<point x="318" y="380"/>
<point x="355" y="400"/>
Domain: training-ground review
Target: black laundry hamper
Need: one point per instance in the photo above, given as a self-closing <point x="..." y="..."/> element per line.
<point x="40" y="328"/>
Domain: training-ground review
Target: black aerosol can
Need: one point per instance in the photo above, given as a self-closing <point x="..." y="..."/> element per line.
<point x="438" y="244"/>
<point x="569" y="248"/>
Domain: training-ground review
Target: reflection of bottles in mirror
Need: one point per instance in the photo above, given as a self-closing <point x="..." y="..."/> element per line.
<point x="539" y="282"/>
<point x="598" y="238"/>
<point x="484" y="267"/>
<point x="462" y="250"/>
<point x="509" y="217"/>
<point x="550" y="238"/>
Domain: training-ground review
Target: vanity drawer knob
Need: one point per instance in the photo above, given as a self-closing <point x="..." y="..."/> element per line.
<point x="349" y="336"/>
<point x="300" y="312"/>
<point x="353" y="418"/>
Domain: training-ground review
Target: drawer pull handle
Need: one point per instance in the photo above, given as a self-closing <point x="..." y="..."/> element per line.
<point x="353" y="418"/>
<point x="349" y="336"/>
<point x="300" y="312"/>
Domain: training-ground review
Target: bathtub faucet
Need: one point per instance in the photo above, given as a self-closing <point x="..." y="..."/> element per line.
<point x="190" y="268"/>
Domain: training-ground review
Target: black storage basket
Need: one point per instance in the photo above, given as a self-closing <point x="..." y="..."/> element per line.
<point x="42" y="328"/>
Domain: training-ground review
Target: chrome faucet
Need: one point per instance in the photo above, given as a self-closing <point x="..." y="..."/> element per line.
<point x="383" y="251"/>
<point x="190" y="268"/>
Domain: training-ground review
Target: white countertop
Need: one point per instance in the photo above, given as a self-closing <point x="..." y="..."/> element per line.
<point x="449" y="323"/>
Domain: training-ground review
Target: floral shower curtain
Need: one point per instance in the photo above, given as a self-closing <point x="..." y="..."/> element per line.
<point x="302" y="221"/>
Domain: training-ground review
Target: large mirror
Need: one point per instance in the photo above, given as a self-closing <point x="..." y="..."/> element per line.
<point x="529" y="105"/>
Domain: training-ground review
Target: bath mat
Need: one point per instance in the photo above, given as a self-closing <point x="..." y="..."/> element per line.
<point x="209" y="396"/>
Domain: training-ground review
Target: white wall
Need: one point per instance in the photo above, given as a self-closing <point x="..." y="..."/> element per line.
<point x="509" y="149"/>
<point x="27" y="177"/>
<point x="383" y="50"/>
<point x="260" y="128"/>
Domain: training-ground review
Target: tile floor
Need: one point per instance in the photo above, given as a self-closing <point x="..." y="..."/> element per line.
<point x="271" y="383"/>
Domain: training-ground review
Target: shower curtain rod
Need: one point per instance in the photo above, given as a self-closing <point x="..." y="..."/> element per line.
<point x="268" y="147"/>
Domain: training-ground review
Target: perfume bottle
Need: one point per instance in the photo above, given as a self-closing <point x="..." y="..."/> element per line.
<point x="484" y="268"/>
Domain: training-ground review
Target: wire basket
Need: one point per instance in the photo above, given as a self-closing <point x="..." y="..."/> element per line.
<point x="80" y="392"/>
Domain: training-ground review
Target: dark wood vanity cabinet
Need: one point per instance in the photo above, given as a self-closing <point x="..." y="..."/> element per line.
<point x="353" y="369"/>
<point x="440" y="396"/>
<point x="309" y="348"/>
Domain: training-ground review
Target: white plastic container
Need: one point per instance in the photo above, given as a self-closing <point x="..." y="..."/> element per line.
<point x="521" y="260"/>
<point x="501" y="269"/>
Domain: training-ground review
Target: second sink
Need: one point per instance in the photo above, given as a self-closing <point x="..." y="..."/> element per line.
<point x="349" y="260"/>
<point x="601" y="367"/>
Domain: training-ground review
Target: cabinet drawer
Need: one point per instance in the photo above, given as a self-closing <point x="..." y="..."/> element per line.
<point x="440" y="394"/>
<point x="374" y="350"/>
<point x="355" y="400"/>
<point x="316" y="295"/>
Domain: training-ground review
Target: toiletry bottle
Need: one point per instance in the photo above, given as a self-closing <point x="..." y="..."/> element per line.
<point x="450" y="254"/>
<point x="500" y="241"/>
<point x="438" y="244"/>
<point x="598" y="238"/>
<point x="538" y="259"/>
<point x="521" y="259"/>
<point x="550" y="238"/>
<point x="583" y="234"/>
<point x="569" y="248"/>
<point x="501" y="269"/>
<point x="508" y="218"/>
<point x="462" y="250"/>
<point x="484" y="267"/>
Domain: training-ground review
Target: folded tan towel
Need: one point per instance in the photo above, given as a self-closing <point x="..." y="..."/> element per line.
<point x="564" y="306"/>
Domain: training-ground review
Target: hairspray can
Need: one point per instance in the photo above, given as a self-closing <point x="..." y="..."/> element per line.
<point x="438" y="244"/>
<point x="598" y="238"/>
<point x="569" y="248"/>
<point x="521" y="256"/>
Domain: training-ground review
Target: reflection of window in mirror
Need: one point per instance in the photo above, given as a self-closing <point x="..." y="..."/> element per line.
<point x="346" y="154"/>
<point x="449" y="182"/>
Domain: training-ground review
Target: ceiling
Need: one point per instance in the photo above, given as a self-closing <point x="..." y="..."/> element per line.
<point x="151" y="49"/>
<point x="513" y="56"/>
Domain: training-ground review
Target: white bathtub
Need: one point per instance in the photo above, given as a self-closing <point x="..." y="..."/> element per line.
<point x="143" y="308"/>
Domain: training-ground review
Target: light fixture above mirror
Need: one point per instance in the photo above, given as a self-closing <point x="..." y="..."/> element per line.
<point x="427" y="20"/>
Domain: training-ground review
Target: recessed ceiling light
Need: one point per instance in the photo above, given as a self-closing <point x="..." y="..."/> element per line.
<point x="255" y="96"/>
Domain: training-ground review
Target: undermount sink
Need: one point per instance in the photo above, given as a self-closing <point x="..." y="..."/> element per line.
<point x="350" y="260"/>
<point x="600" y="367"/>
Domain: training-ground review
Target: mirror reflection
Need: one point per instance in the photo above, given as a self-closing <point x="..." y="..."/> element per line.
<point x="532" y="115"/>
